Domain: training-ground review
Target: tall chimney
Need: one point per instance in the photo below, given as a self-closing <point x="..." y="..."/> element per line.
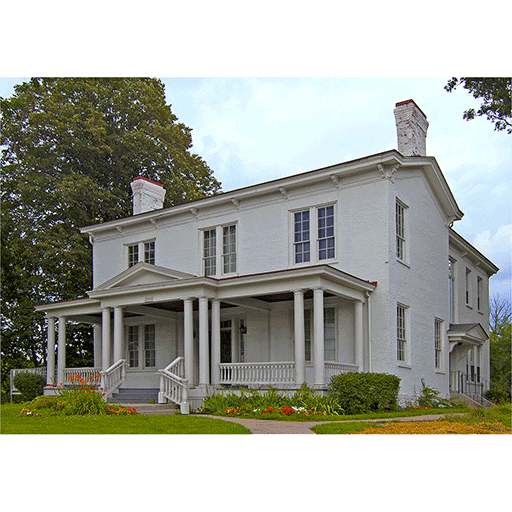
<point x="147" y="195"/>
<point x="411" y="129"/>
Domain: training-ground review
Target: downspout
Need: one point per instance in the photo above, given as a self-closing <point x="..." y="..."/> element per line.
<point x="368" y="299"/>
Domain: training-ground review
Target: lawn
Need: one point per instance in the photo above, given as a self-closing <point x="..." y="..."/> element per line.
<point x="12" y="423"/>
<point x="475" y="421"/>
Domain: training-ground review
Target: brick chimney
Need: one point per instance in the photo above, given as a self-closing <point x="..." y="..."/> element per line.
<point x="147" y="195"/>
<point x="411" y="128"/>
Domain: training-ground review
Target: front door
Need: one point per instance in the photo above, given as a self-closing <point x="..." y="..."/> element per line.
<point x="225" y="341"/>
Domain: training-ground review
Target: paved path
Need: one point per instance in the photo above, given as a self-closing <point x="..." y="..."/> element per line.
<point x="304" y="427"/>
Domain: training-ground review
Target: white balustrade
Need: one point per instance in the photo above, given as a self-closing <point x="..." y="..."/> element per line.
<point x="113" y="377"/>
<point x="333" y="368"/>
<point x="173" y="385"/>
<point x="257" y="373"/>
<point x="88" y="375"/>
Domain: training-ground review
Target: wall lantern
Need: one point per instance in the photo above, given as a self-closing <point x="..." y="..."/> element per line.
<point x="243" y="329"/>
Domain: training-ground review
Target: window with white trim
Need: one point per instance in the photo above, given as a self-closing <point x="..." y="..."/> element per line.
<point x="438" y="347"/>
<point x="400" y="230"/>
<point x="401" y="333"/>
<point x="479" y="293"/>
<point x="149" y="346"/>
<point x="314" y="234"/>
<point x="210" y="252"/>
<point x="141" y="355"/>
<point x="468" y="286"/>
<point x="133" y="346"/>
<point x="229" y="249"/>
<point x="147" y="249"/>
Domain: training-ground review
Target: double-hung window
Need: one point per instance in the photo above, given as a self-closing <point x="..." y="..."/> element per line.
<point x="401" y="333"/>
<point x="314" y="236"/>
<point x="229" y="249"/>
<point x="147" y="249"/>
<point x="468" y="287"/>
<point x="149" y="346"/>
<point x="141" y="355"/>
<point x="210" y="252"/>
<point x="133" y="346"/>
<point x="400" y="230"/>
<point x="479" y="293"/>
<point x="438" y="350"/>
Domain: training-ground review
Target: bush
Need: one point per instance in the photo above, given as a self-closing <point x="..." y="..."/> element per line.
<point x="497" y="395"/>
<point x="29" y="385"/>
<point x="359" y="393"/>
<point x="429" y="397"/>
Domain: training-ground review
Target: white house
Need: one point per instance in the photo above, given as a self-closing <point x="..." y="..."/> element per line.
<point x="352" y="267"/>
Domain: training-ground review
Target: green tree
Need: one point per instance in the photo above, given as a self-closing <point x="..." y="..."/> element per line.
<point x="499" y="326"/>
<point x="71" y="147"/>
<point x="495" y="93"/>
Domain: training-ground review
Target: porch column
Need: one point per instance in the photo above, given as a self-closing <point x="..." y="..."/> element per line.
<point x="50" y="353"/>
<point x="118" y="334"/>
<point x="216" y="340"/>
<point x="61" y="355"/>
<point x="96" y="334"/>
<point x="358" y="333"/>
<point x="318" y="330"/>
<point x="188" y="342"/>
<point x="204" y="370"/>
<point x="105" y="339"/>
<point x="300" y="346"/>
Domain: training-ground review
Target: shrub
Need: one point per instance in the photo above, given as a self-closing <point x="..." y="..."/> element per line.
<point x="29" y="385"/>
<point x="360" y="393"/>
<point x="429" y="397"/>
<point x="497" y="395"/>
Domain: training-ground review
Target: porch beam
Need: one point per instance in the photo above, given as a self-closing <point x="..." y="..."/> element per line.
<point x="149" y="311"/>
<point x="249" y="303"/>
<point x="318" y="330"/>
<point x="50" y="353"/>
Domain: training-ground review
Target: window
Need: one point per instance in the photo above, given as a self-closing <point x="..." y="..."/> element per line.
<point x="315" y="221"/>
<point x="147" y="249"/>
<point x="479" y="293"/>
<point x="401" y="335"/>
<point x="302" y="243"/>
<point x="451" y="277"/>
<point x="400" y="230"/>
<point x="468" y="282"/>
<point x="326" y="232"/>
<point x="329" y="334"/>
<point x="229" y="249"/>
<point x="149" y="346"/>
<point x="209" y="252"/>
<point x="437" y="342"/>
<point x="133" y="346"/>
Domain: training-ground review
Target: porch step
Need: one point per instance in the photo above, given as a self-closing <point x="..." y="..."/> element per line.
<point x="135" y="396"/>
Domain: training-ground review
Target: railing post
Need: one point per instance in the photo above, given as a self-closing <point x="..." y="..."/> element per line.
<point x="161" y="398"/>
<point x="184" y="405"/>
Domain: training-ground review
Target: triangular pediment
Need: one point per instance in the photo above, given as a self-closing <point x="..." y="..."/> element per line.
<point x="468" y="333"/>
<point x="143" y="274"/>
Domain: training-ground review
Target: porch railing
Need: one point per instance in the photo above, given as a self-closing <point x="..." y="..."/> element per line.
<point x="333" y="368"/>
<point x="257" y="373"/>
<point x="475" y="388"/>
<point x="173" y="385"/>
<point x="113" y="377"/>
<point x="87" y="375"/>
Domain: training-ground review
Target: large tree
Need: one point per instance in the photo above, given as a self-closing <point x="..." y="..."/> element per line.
<point x="496" y="97"/>
<point x="71" y="147"/>
<point x="499" y="326"/>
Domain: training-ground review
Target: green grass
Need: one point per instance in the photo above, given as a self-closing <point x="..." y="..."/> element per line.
<point x="500" y="413"/>
<point x="12" y="423"/>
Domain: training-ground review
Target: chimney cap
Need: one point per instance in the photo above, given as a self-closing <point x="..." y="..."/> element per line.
<point x="405" y="102"/>
<point x="148" y="180"/>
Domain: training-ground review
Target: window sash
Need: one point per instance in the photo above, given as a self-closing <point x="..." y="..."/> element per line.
<point x="301" y="243"/>
<point x="149" y="252"/>
<point x="478" y="292"/>
<point x="149" y="346"/>
<point x="326" y="237"/>
<point x="229" y="249"/>
<point x="133" y="346"/>
<point x="400" y="231"/>
<point x="210" y="252"/>
<point x="437" y="343"/>
<point x="401" y="337"/>
<point x="133" y="255"/>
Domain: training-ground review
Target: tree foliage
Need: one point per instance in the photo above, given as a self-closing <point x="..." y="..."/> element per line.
<point x="495" y="93"/>
<point x="71" y="147"/>
<point x="499" y="326"/>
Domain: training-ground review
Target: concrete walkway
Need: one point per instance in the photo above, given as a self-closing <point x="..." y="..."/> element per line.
<point x="304" y="427"/>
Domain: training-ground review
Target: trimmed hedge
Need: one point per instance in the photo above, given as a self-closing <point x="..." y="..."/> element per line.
<point x="359" y="393"/>
<point x="29" y="385"/>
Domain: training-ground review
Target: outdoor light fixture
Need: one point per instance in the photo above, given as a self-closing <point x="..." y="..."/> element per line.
<point x="243" y="329"/>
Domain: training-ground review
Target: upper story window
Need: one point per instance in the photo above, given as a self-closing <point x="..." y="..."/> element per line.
<point x="307" y="223"/>
<point x="479" y="291"/>
<point x="147" y="249"/>
<point x="468" y="286"/>
<point x="451" y="277"/>
<point x="400" y="230"/>
<point x="225" y="238"/>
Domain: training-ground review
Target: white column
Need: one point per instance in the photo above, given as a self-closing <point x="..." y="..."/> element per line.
<point x="188" y="342"/>
<point x="204" y="370"/>
<point x="216" y="340"/>
<point x="105" y="338"/>
<point x="300" y="348"/>
<point x="50" y="353"/>
<point x="358" y="333"/>
<point x="61" y="355"/>
<point x="318" y="341"/>
<point x="96" y="334"/>
<point x="118" y="334"/>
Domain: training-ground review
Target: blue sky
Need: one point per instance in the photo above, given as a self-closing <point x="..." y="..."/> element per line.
<point x="251" y="130"/>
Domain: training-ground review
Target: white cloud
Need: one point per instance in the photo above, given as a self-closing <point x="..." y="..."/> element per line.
<point x="500" y="242"/>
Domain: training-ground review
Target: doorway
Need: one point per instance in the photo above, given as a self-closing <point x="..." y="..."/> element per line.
<point x="226" y="347"/>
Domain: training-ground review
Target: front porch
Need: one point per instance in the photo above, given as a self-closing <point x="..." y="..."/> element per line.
<point x="194" y="334"/>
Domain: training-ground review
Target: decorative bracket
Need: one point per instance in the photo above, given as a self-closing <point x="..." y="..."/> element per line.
<point x="336" y="180"/>
<point x="193" y="211"/>
<point x="120" y="229"/>
<point x="236" y="202"/>
<point x="387" y="171"/>
<point x="154" y="222"/>
<point x="284" y="192"/>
